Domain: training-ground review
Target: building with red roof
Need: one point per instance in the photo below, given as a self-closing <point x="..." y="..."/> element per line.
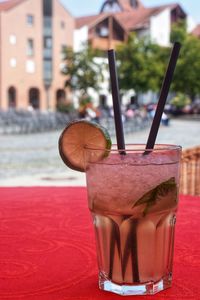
<point x="196" y="31"/>
<point x="34" y="33"/>
<point x="117" y="18"/>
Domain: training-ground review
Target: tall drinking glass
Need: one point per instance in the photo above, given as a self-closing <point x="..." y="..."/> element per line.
<point x="133" y="199"/>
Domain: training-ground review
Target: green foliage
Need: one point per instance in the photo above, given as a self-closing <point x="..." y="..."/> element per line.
<point x="84" y="100"/>
<point x="65" y="107"/>
<point x="186" y="77"/>
<point x="179" y="32"/>
<point x="142" y="65"/>
<point x="81" y="69"/>
<point x="180" y="101"/>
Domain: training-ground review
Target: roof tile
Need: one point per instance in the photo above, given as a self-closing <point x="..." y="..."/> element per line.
<point x="6" y="5"/>
<point x="129" y="18"/>
<point x="196" y="31"/>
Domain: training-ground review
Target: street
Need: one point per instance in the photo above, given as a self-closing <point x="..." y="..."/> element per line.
<point x="33" y="160"/>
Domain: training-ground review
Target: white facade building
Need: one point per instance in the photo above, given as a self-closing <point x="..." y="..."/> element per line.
<point x="160" y="28"/>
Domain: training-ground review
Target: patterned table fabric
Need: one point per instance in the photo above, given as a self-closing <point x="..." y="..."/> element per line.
<point x="47" y="247"/>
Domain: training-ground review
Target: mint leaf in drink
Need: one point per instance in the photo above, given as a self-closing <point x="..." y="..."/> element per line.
<point x="156" y="194"/>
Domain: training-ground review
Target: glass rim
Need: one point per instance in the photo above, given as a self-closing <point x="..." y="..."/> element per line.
<point x="140" y="148"/>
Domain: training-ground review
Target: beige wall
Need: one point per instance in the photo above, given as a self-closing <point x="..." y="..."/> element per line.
<point x="13" y="22"/>
<point x="61" y="36"/>
<point x="104" y="43"/>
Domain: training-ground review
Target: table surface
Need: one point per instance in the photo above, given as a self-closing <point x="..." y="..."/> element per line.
<point x="47" y="247"/>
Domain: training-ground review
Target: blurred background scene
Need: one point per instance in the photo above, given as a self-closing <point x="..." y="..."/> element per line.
<point x="53" y="69"/>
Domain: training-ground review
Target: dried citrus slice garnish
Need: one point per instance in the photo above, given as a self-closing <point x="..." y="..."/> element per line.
<point x="79" y="136"/>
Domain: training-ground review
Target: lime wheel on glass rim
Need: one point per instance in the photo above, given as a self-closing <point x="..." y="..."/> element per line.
<point x="77" y="137"/>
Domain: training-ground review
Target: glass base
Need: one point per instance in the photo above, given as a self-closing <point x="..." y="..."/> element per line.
<point x="148" y="288"/>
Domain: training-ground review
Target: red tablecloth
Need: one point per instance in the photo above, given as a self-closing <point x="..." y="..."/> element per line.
<point x="47" y="248"/>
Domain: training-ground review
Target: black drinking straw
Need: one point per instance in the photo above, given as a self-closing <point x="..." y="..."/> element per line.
<point x="116" y="101"/>
<point x="163" y="97"/>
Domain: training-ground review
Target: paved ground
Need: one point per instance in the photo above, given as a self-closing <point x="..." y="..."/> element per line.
<point x="34" y="159"/>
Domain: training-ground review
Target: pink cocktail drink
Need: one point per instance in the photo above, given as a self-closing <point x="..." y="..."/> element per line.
<point x="133" y="199"/>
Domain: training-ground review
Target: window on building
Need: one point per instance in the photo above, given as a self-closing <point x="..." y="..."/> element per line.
<point x="12" y="97"/>
<point x="47" y="69"/>
<point x="134" y="3"/>
<point x="30" y="66"/>
<point x="34" y="98"/>
<point x="30" y="19"/>
<point x="30" y="47"/>
<point x="47" y="8"/>
<point x="111" y="7"/>
<point x="12" y="39"/>
<point x="47" y="23"/>
<point x="13" y="62"/>
<point x="103" y="31"/>
<point x="62" y="24"/>
<point x="48" y="42"/>
<point x="47" y="51"/>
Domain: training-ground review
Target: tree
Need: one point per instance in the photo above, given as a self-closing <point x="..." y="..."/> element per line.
<point x="186" y="77"/>
<point x="180" y="101"/>
<point x="179" y="32"/>
<point x="142" y="65"/>
<point x="81" y="70"/>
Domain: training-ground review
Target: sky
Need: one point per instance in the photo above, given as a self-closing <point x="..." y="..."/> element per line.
<point x="89" y="7"/>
